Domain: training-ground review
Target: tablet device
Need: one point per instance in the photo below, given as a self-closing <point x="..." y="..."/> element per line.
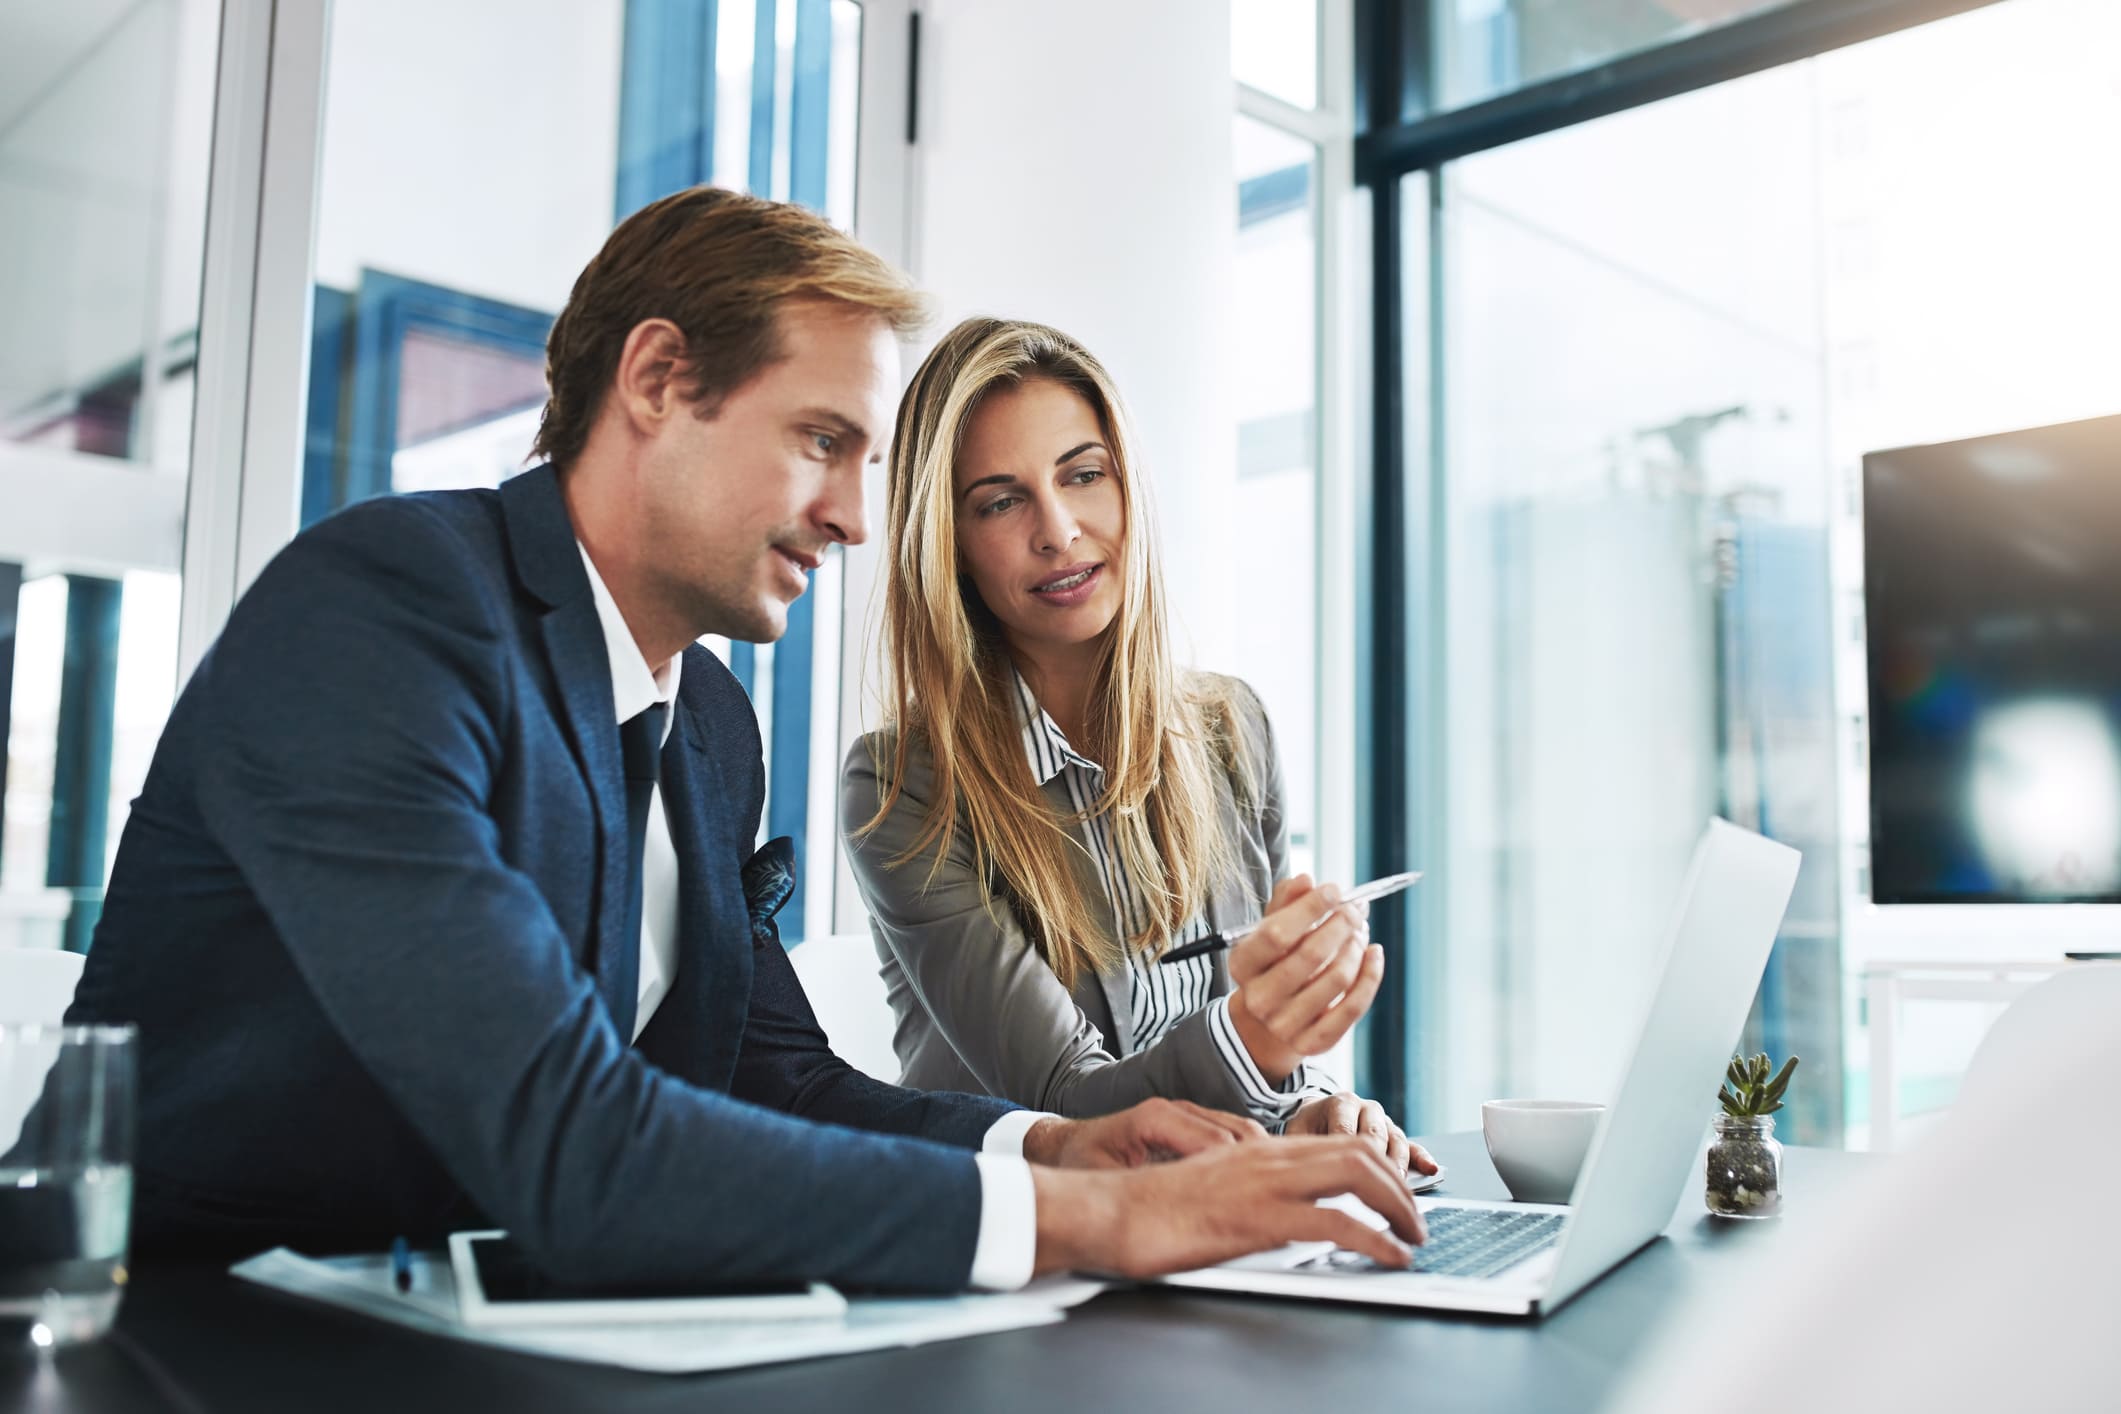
<point x="498" y="1285"/>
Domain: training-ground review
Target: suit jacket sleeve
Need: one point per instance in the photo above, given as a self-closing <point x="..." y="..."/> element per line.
<point x="985" y="985"/>
<point x="360" y="713"/>
<point x="787" y="1063"/>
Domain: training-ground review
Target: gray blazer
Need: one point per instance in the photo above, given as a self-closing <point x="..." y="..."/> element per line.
<point x="979" y="1009"/>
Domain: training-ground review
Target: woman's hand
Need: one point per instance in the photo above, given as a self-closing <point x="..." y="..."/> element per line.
<point x="1304" y="976"/>
<point x="1349" y="1113"/>
<point x="1150" y="1132"/>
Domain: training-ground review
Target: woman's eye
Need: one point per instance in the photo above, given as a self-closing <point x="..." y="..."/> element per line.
<point x="1084" y="475"/>
<point x="997" y="505"/>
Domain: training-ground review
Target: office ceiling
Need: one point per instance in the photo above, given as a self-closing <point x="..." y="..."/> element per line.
<point x="44" y="42"/>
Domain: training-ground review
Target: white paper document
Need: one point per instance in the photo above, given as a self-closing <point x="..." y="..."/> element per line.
<point x="365" y="1284"/>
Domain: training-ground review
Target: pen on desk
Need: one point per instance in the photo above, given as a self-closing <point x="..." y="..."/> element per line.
<point x="1362" y="893"/>
<point x="401" y="1264"/>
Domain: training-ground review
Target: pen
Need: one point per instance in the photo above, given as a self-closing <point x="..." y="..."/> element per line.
<point x="401" y="1264"/>
<point x="1361" y="893"/>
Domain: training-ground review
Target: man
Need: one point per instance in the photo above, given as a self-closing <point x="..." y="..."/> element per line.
<point x="435" y="908"/>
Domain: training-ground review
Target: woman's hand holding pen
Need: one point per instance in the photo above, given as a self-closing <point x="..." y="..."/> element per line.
<point x="1305" y="975"/>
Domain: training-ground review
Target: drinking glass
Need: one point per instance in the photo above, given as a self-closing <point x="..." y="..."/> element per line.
<point x="66" y="1180"/>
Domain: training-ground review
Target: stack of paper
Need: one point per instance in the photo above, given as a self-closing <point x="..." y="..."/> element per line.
<point x="365" y="1284"/>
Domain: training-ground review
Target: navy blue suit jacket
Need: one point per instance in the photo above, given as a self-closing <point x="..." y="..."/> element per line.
<point x="356" y="913"/>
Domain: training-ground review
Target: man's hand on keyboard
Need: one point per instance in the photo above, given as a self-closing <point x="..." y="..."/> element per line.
<point x="1227" y="1202"/>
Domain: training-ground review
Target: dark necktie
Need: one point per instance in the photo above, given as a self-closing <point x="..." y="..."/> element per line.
<point x="619" y="965"/>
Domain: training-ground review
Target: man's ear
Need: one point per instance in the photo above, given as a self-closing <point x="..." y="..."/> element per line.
<point x="646" y="384"/>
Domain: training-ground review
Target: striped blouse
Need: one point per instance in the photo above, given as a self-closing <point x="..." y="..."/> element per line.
<point x="1159" y="995"/>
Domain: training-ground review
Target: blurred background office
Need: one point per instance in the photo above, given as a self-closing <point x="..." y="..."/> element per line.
<point x="1506" y="371"/>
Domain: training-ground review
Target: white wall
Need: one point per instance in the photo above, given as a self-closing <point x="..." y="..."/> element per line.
<point x="1074" y="167"/>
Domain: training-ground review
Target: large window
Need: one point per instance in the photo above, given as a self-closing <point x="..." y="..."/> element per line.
<point x="1662" y="341"/>
<point x="1298" y="476"/>
<point x="105" y="113"/>
<point x="1277" y="450"/>
<point x="453" y="219"/>
<point x="1634" y="617"/>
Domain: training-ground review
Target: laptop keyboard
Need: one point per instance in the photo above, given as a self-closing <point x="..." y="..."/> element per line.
<point x="1463" y="1242"/>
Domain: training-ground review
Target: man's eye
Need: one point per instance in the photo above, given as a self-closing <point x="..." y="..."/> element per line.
<point x="825" y="442"/>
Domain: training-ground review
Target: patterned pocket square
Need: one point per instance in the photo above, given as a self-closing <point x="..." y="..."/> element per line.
<point x="769" y="882"/>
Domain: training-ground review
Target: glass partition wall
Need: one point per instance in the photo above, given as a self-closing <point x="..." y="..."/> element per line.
<point x="105" y="112"/>
<point x="1637" y="357"/>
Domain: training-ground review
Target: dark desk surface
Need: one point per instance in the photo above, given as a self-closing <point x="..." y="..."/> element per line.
<point x="193" y="1339"/>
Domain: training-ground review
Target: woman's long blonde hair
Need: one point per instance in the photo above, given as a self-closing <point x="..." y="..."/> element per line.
<point x="1163" y="735"/>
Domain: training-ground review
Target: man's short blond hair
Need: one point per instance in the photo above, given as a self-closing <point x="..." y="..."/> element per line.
<point x="718" y="264"/>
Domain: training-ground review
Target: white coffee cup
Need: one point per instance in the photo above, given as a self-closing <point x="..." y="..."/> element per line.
<point x="1538" y="1145"/>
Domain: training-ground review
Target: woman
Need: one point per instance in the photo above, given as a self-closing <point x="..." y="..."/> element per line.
<point x="1054" y="806"/>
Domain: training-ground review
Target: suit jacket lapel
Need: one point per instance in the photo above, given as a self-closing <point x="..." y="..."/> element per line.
<point x="698" y="1030"/>
<point x="548" y="563"/>
<point x="575" y="639"/>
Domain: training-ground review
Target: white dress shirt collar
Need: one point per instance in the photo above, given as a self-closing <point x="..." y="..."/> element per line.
<point x="1045" y="744"/>
<point x="634" y="686"/>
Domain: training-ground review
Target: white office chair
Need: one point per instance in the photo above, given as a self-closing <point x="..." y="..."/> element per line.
<point x="36" y="987"/>
<point x="839" y="976"/>
<point x="37" y="984"/>
<point x="34" y="918"/>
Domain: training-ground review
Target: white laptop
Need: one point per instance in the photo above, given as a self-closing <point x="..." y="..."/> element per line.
<point x="1529" y="1258"/>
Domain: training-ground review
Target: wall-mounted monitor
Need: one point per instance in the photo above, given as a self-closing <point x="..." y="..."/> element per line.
<point x="1992" y="587"/>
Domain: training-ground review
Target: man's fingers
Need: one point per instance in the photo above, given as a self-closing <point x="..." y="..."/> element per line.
<point x="1343" y="1114"/>
<point x="1240" y="1128"/>
<point x="1384" y="1188"/>
<point x="1419" y="1158"/>
<point x="1324" y="1033"/>
<point x="1338" y="1228"/>
<point x="1178" y="1127"/>
<point x="1332" y="1166"/>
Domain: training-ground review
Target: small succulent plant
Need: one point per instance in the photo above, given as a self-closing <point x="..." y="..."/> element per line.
<point x="1748" y="1090"/>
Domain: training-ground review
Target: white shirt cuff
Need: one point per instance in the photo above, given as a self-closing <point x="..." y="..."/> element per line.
<point x="1007" y="1135"/>
<point x="1270" y="1104"/>
<point x="1007" y="1248"/>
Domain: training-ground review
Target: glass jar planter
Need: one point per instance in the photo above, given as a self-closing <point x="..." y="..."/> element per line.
<point x="1744" y="1168"/>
